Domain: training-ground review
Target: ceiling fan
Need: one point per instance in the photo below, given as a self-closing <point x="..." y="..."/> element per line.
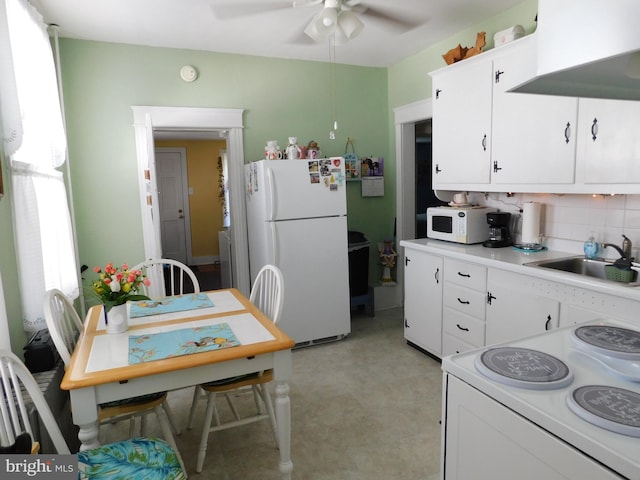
<point x="337" y="18"/>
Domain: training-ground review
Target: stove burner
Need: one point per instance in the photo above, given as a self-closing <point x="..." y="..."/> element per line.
<point x="608" y="340"/>
<point x="524" y="368"/>
<point x="611" y="408"/>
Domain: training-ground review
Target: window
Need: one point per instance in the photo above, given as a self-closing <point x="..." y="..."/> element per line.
<point x="35" y="143"/>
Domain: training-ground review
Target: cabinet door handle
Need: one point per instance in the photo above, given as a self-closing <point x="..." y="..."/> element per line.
<point x="406" y="324"/>
<point x="567" y="133"/>
<point x="490" y="297"/>
<point x="498" y="73"/>
<point x="464" y="275"/>
<point x="438" y="91"/>
<point x="484" y="142"/>
<point x="547" y="324"/>
<point x="462" y="328"/>
<point x="437" y="275"/>
<point x="438" y="168"/>
<point x="464" y="302"/>
<point x="406" y="261"/>
<point x="594" y="129"/>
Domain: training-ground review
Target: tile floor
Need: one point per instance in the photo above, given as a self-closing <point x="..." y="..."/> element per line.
<point x="363" y="408"/>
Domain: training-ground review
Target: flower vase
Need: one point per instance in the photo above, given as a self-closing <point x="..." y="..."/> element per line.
<point x="116" y="318"/>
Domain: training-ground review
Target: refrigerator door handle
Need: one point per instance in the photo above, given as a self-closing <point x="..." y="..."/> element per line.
<point x="274" y="243"/>
<point x="272" y="196"/>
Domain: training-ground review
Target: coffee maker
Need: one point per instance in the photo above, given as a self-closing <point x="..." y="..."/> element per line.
<point x="499" y="230"/>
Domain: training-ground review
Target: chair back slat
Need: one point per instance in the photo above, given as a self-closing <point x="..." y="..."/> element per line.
<point x="13" y="407"/>
<point x="63" y="323"/>
<point x="178" y="272"/>
<point x="267" y="292"/>
<point x="10" y="417"/>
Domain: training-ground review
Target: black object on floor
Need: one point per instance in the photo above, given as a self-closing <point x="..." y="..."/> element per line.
<point x="209" y="277"/>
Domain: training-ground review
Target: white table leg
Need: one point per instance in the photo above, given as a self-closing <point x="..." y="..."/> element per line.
<point x="282" y="369"/>
<point x="84" y="408"/>
<point x="88" y="436"/>
<point x="283" y="417"/>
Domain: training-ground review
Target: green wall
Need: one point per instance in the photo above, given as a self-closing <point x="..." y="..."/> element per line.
<point x="281" y="98"/>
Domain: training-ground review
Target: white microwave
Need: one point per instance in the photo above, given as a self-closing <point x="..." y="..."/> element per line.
<point x="458" y="224"/>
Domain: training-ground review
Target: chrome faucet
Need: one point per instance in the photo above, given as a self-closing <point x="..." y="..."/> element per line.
<point x="625" y="251"/>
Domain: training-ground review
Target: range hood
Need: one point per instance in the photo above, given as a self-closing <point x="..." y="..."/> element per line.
<point x="587" y="48"/>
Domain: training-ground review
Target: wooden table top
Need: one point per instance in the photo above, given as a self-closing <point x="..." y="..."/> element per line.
<point x="78" y="376"/>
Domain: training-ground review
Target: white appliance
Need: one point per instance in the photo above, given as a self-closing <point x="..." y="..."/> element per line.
<point x="458" y="224"/>
<point x="297" y="220"/>
<point x="582" y="421"/>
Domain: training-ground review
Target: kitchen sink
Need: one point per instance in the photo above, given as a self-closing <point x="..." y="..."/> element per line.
<point x="581" y="266"/>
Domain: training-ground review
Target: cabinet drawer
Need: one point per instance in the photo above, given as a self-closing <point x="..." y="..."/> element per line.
<point x="452" y="345"/>
<point x="465" y="300"/>
<point x="464" y="327"/>
<point x="466" y="274"/>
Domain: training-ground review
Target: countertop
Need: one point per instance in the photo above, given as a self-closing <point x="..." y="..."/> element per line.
<point x="507" y="258"/>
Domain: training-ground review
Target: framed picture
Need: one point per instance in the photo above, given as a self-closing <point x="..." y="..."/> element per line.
<point x="351" y="167"/>
<point x="372" y="167"/>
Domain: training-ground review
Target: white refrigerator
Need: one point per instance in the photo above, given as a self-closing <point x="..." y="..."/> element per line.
<point x="297" y="220"/>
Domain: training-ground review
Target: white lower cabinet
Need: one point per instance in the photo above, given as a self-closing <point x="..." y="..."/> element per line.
<point x="483" y="439"/>
<point x="573" y="315"/>
<point x="453" y="305"/>
<point x="423" y="300"/>
<point x="514" y="310"/>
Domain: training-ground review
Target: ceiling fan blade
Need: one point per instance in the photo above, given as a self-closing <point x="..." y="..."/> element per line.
<point x="394" y="20"/>
<point x="227" y="11"/>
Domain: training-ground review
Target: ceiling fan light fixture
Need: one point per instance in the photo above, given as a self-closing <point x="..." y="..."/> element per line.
<point x="317" y="29"/>
<point x="350" y="24"/>
<point x="329" y="17"/>
<point x="339" y="38"/>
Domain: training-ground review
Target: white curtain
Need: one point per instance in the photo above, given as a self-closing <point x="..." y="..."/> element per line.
<point x="34" y="139"/>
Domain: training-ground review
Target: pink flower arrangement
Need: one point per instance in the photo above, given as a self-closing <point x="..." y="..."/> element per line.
<point x="116" y="285"/>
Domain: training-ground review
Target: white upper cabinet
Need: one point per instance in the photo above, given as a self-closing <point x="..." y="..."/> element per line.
<point x="609" y="142"/>
<point x="487" y="138"/>
<point x="534" y="136"/>
<point x="462" y="124"/>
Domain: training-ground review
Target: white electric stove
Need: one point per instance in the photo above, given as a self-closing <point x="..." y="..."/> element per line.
<point x="563" y="404"/>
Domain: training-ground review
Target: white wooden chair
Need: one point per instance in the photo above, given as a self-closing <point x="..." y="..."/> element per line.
<point x="152" y="458"/>
<point x="177" y="277"/>
<point x="268" y="295"/>
<point x="64" y="326"/>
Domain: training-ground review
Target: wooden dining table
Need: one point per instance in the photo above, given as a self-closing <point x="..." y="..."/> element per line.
<point x="101" y="369"/>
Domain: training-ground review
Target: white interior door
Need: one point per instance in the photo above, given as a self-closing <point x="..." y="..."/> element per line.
<point x="171" y="170"/>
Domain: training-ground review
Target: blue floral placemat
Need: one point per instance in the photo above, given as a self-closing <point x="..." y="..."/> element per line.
<point x="192" y="301"/>
<point x="158" y="346"/>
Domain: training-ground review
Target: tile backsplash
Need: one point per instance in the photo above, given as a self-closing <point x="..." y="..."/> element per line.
<point x="567" y="221"/>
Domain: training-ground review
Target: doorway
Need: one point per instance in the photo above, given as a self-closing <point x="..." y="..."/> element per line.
<point x="150" y="120"/>
<point x="425" y="196"/>
<point x="405" y="118"/>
